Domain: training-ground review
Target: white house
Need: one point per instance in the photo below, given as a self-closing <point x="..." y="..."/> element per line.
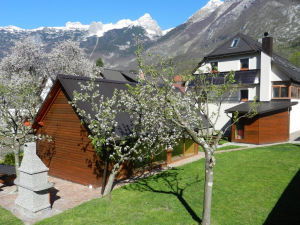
<point x="262" y="73"/>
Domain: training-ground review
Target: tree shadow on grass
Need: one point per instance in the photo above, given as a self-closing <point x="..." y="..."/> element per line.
<point x="287" y="209"/>
<point x="167" y="183"/>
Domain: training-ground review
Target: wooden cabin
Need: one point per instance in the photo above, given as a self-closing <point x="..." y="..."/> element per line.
<point x="70" y="155"/>
<point x="270" y="125"/>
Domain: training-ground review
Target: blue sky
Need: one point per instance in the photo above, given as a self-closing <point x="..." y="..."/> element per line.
<point x="30" y="14"/>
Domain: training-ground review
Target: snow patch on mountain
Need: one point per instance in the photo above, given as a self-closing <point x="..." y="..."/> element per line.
<point x="164" y="32"/>
<point x="205" y="11"/>
<point x="146" y="21"/>
<point x="98" y="28"/>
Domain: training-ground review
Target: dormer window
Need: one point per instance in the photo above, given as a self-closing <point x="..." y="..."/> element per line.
<point x="244" y="64"/>
<point x="214" y="66"/>
<point x="234" y="43"/>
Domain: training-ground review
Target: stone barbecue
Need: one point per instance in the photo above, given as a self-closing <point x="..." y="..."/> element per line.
<point x="33" y="185"/>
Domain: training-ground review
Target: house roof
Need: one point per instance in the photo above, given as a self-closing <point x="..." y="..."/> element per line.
<point x="287" y="67"/>
<point x="69" y="84"/>
<point x="118" y="75"/>
<point x="263" y="107"/>
<point x="248" y="45"/>
<point x="244" y="45"/>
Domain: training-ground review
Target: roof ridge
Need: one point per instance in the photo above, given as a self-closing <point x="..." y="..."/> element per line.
<point x="72" y="77"/>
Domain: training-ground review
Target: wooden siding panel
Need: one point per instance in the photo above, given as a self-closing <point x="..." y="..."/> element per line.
<point x="274" y="127"/>
<point x="267" y="128"/>
<point x="251" y="131"/>
<point x="70" y="156"/>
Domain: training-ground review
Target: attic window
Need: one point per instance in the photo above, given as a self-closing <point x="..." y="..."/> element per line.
<point x="234" y="43"/>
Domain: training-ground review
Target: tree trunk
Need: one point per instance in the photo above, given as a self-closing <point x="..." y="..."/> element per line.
<point x="17" y="160"/>
<point x="105" y="173"/>
<point x="209" y="163"/>
<point x="110" y="183"/>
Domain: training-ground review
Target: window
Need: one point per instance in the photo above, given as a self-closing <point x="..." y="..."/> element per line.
<point x="244" y="64"/>
<point x="214" y="66"/>
<point x="276" y="92"/>
<point x="280" y="91"/>
<point x="295" y="92"/>
<point x="244" y="95"/>
<point x="239" y="131"/>
<point x="234" y="43"/>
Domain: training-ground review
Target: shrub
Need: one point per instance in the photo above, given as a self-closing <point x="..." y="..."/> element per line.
<point x="9" y="158"/>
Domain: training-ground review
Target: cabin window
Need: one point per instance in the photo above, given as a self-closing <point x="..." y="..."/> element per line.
<point x="234" y="43"/>
<point x="244" y="64"/>
<point x="214" y="66"/>
<point x="280" y="91"/>
<point x="244" y="95"/>
<point x="239" y="131"/>
<point x="295" y="92"/>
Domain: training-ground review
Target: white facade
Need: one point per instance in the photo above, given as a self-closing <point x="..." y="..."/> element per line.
<point x="261" y="89"/>
<point x="232" y="63"/>
<point x="265" y="78"/>
<point x="295" y="117"/>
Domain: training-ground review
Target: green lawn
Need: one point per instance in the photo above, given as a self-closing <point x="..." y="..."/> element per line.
<point x="7" y="218"/>
<point x="247" y="186"/>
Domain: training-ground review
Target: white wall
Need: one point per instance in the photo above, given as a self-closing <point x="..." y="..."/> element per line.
<point x="295" y="117"/>
<point x="229" y="102"/>
<point x="223" y="118"/>
<point x="232" y="63"/>
<point x="277" y="74"/>
<point x="265" y="77"/>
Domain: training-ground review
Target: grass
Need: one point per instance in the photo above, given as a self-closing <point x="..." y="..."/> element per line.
<point x="247" y="186"/>
<point x="7" y="218"/>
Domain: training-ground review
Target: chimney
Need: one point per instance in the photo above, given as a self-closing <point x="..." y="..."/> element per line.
<point x="267" y="44"/>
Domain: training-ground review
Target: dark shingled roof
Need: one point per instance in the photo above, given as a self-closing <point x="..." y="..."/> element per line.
<point x="241" y="77"/>
<point x="287" y="67"/>
<point x="247" y="45"/>
<point x="106" y="88"/>
<point x="7" y="170"/>
<point x="118" y="75"/>
<point x="264" y="107"/>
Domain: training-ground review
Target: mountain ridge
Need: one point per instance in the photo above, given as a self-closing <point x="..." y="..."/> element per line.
<point x="187" y="43"/>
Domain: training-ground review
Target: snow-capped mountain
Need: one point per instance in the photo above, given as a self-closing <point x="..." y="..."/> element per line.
<point x="110" y="41"/>
<point x="98" y="28"/>
<point x="211" y="25"/>
<point x="202" y="13"/>
<point x="218" y="21"/>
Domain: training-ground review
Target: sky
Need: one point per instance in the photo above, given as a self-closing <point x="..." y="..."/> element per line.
<point x="29" y="14"/>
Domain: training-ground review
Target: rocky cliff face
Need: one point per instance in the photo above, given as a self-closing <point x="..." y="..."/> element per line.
<point x="218" y="21"/>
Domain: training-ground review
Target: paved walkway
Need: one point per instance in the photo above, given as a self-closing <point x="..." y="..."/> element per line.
<point x="66" y="195"/>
